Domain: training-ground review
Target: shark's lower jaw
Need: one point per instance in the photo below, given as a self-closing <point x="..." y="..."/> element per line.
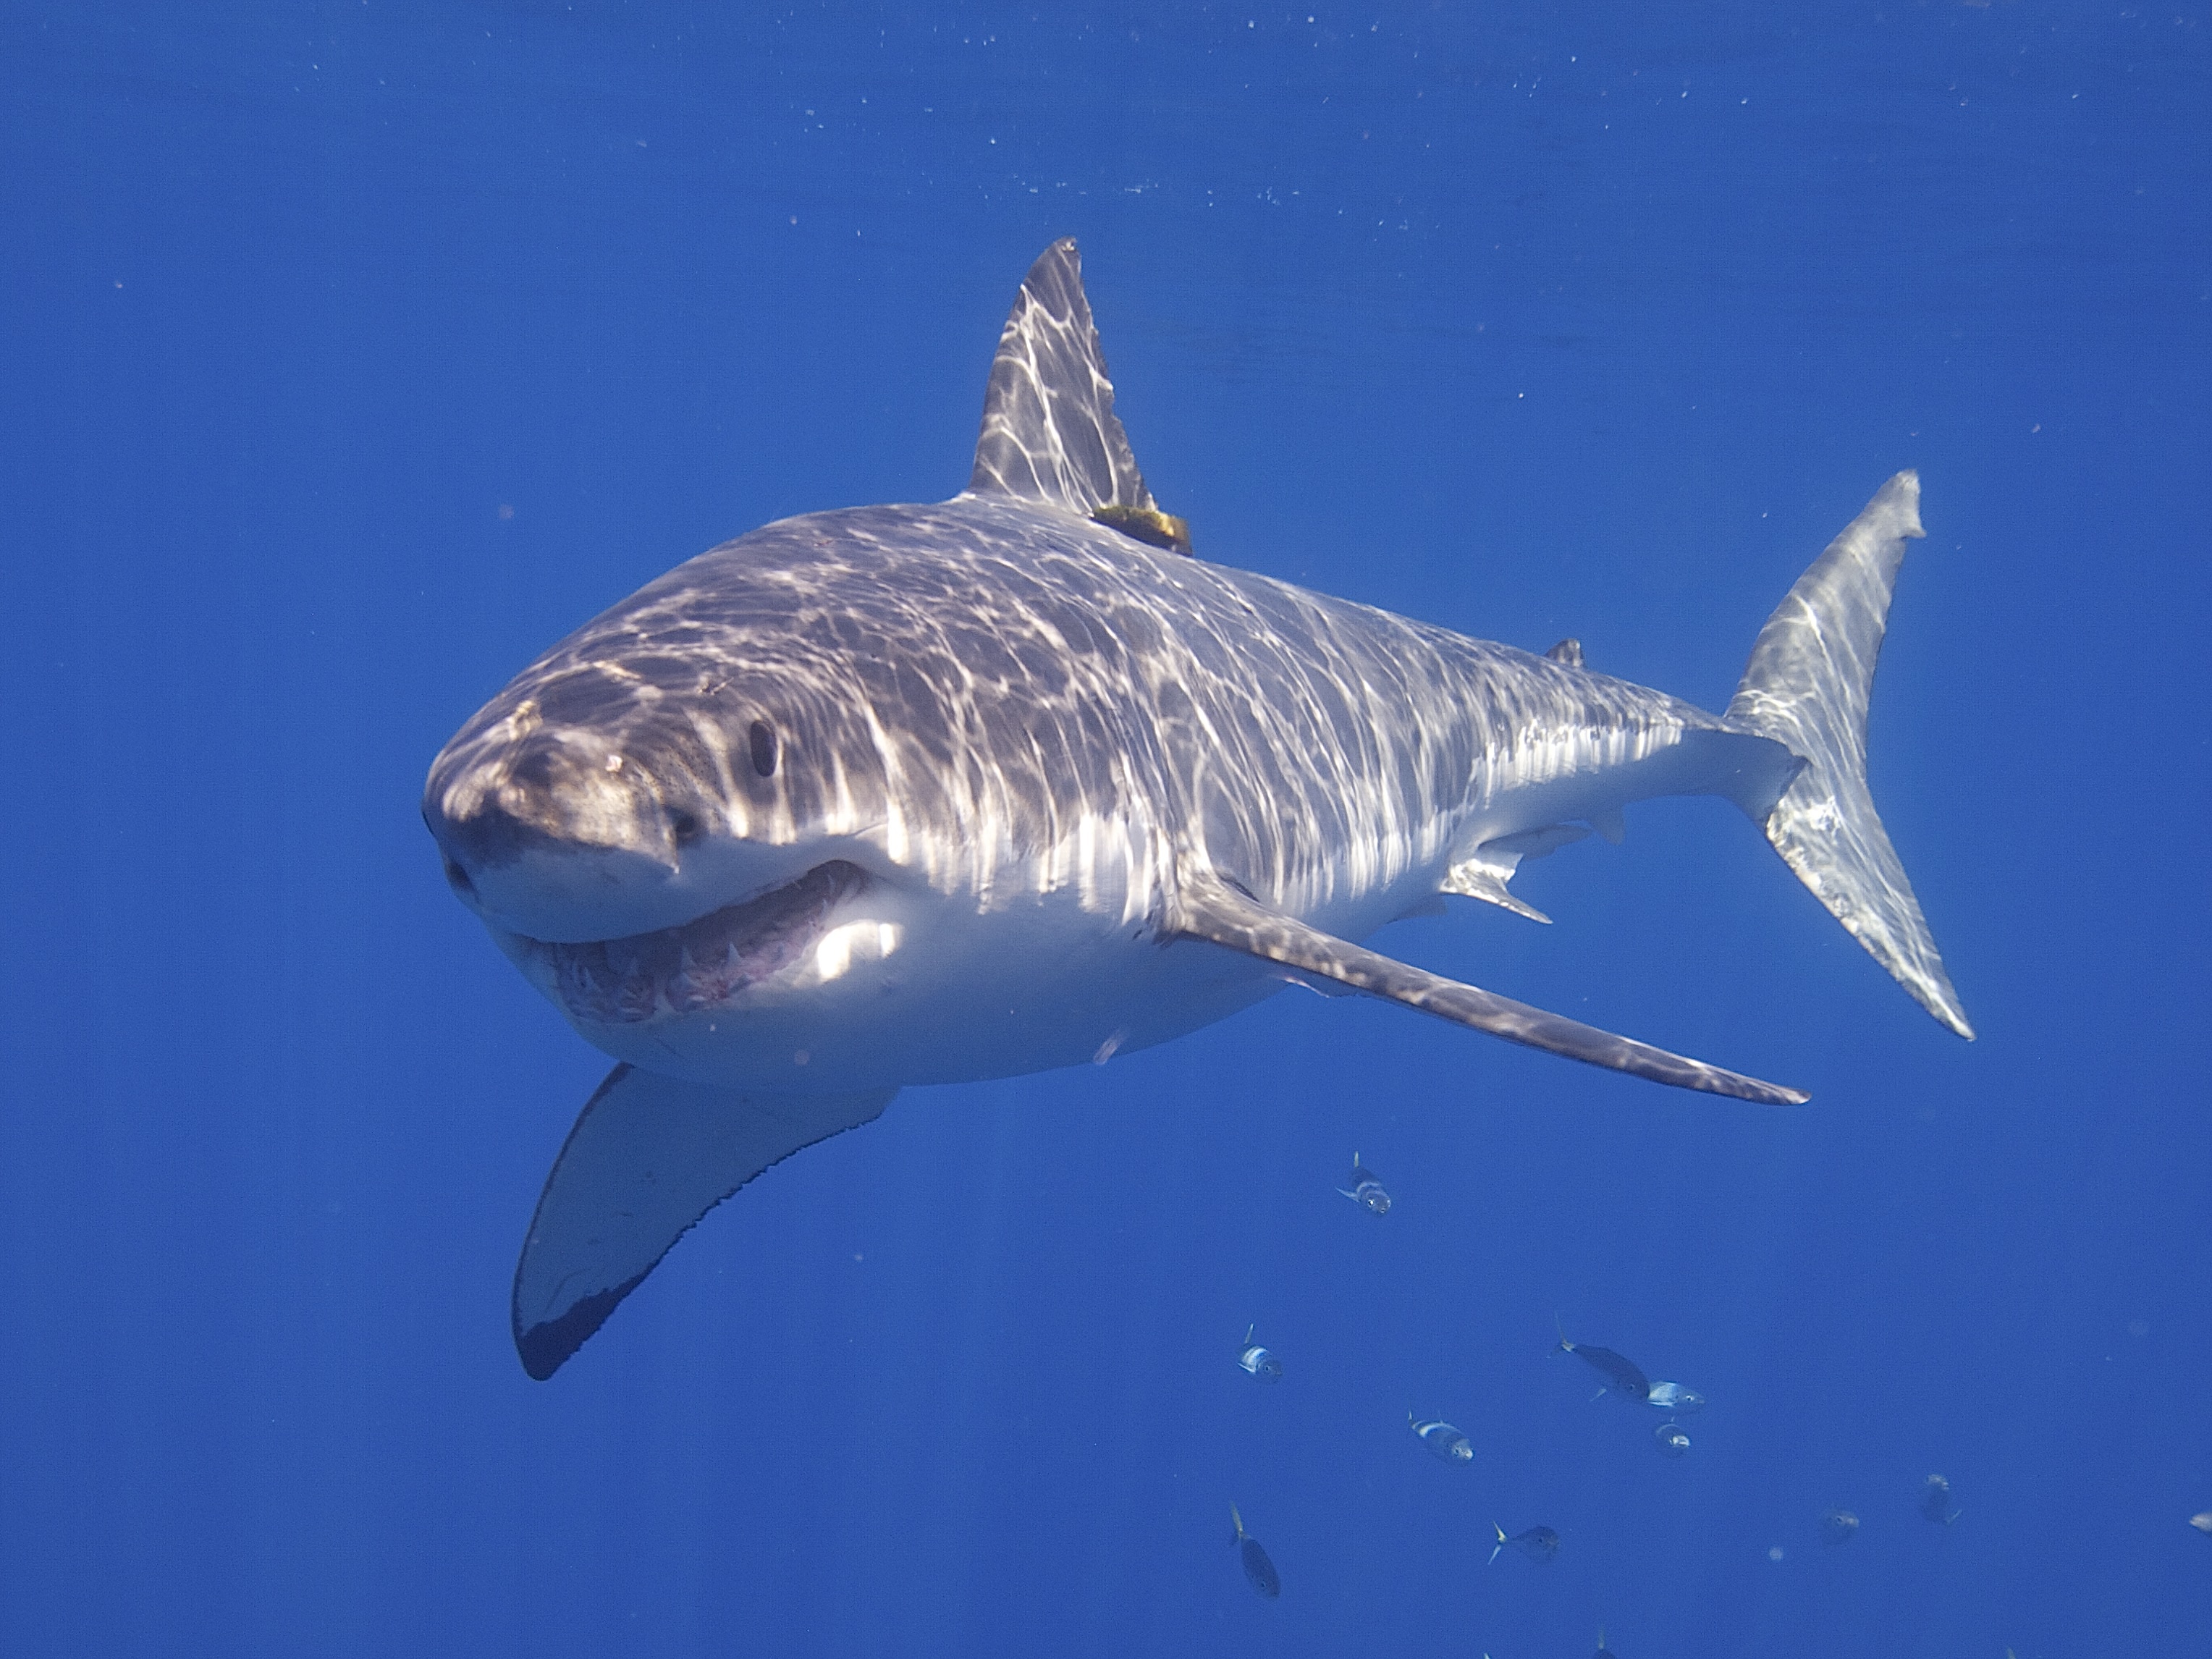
<point x="704" y="965"/>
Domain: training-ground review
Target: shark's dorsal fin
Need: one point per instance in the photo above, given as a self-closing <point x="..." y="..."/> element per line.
<point x="1208" y="908"/>
<point x="1049" y="431"/>
<point x="1568" y="652"/>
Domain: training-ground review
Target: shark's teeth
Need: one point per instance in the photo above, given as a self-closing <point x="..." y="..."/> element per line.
<point x="703" y="964"/>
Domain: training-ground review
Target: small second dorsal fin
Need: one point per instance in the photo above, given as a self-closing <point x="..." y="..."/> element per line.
<point x="1049" y="431"/>
<point x="1567" y="651"/>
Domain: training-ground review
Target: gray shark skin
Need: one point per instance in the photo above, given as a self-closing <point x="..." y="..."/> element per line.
<point x="907" y="794"/>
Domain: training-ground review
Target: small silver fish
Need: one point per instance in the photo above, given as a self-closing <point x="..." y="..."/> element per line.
<point x="1258" y="1569"/>
<point x="1673" y="1397"/>
<point x="1838" y="1526"/>
<point x="1257" y="1360"/>
<point x="1445" y="1443"/>
<point x="1538" y="1543"/>
<point x="1936" y="1500"/>
<point x="1673" y="1440"/>
<point x="2203" y="1522"/>
<point x="1366" y="1190"/>
<point x="1602" y="1652"/>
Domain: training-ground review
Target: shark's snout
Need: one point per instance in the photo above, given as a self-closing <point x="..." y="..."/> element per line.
<point x="489" y="838"/>
<point x="560" y="836"/>
<point x="572" y="836"/>
<point x="552" y="789"/>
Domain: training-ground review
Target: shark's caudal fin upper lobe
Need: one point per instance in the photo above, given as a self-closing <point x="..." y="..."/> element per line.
<point x="1807" y="687"/>
<point x="647" y="1157"/>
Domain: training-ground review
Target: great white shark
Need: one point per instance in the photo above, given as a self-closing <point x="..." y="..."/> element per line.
<point x="910" y="794"/>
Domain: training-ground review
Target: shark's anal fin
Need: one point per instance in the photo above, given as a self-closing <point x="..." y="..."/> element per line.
<point x="1208" y="908"/>
<point x="649" y="1156"/>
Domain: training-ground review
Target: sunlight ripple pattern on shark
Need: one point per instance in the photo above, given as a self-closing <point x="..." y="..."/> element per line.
<point x="930" y="794"/>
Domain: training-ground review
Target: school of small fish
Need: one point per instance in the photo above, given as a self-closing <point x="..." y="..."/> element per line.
<point x="1620" y="1376"/>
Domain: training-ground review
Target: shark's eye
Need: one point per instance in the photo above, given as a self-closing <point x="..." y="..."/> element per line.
<point x="763" y="737"/>
<point x="683" y="825"/>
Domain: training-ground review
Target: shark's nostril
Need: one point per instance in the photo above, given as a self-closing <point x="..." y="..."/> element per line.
<point x="489" y="837"/>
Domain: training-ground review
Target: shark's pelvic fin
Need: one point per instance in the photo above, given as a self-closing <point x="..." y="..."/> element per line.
<point x="1049" y="431"/>
<point x="647" y="1157"/>
<point x="1208" y="908"/>
<point x="1807" y="687"/>
<point x="1484" y="876"/>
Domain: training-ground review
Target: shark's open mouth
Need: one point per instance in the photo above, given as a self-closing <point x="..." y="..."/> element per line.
<point x="703" y="963"/>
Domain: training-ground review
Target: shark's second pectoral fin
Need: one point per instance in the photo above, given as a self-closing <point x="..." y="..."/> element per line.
<point x="1209" y="908"/>
<point x="647" y="1157"/>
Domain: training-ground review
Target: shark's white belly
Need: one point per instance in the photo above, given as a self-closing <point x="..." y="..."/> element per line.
<point x="907" y="988"/>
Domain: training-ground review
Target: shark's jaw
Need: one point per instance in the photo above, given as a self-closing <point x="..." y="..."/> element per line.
<point x="706" y="964"/>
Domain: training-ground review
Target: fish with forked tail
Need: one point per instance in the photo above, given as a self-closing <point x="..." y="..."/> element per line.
<point x="1366" y="1190"/>
<point x="1537" y="1543"/>
<point x="1621" y="1373"/>
<point x="1936" y="1500"/>
<point x="1259" y="1570"/>
<point x="1445" y="1443"/>
<point x="1258" y="1360"/>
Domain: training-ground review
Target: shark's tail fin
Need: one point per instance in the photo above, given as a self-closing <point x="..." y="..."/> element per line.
<point x="1807" y="687"/>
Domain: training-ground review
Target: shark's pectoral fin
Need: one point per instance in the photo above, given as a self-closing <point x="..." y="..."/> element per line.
<point x="647" y="1157"/>
<point x="1209" y="908"/>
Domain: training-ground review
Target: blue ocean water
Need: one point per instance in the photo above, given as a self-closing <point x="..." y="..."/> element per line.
<point x="356" y="352"/>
